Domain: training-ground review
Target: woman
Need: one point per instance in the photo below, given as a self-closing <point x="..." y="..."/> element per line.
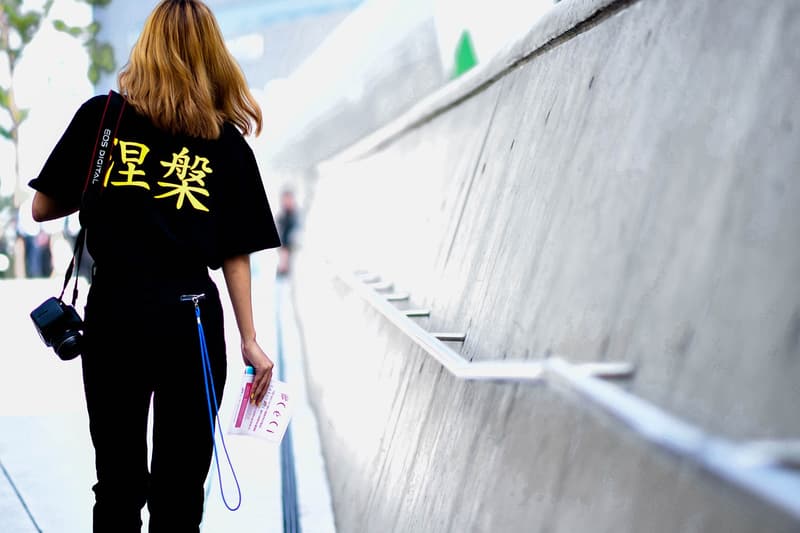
<point x="183" y="194"/>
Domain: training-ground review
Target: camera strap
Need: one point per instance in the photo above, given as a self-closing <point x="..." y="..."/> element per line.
<point x="93" y="185"/>
<point x="74" y="265"/>
<point x="211" y="401"/>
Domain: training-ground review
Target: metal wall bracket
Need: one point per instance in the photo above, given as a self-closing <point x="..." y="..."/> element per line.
<point x="782" y="453"/>
<point x="381" y="286"/>
<point x="608" y="370"/>
<point x="450" y="337"/>
<point x="366" y="277"/>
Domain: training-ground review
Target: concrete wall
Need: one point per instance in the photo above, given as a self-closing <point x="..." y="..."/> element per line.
<point x="619" y="186"/>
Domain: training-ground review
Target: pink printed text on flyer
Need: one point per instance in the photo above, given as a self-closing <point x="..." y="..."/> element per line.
<point x="270" y="418"/>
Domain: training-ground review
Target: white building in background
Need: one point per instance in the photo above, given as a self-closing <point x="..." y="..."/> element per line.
<point x="268" y="38"/>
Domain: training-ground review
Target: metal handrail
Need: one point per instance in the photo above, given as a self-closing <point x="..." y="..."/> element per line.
<point x="759" y="469"/>
<point x="451" y="360"/>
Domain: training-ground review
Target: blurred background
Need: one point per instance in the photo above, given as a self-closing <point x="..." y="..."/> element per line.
<point x="326" y="72"/>
<point x="482" y="204"/>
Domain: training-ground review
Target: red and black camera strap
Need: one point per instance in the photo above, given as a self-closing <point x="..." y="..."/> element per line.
<point x="94" y="183"/>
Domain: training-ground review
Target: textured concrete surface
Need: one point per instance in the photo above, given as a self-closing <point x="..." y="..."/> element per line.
<point x="44" y="433"/>
<point x="11" y="509"/>
<point x="410" y="449"/>
<point x="623" y="190"/>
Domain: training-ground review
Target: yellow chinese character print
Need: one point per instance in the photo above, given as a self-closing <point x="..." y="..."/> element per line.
<point x="192" y="176"/>
<point x="133" y="154"/>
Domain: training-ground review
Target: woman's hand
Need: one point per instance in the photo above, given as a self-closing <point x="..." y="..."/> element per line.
<point x="254" y="356"/>
<point x="237" y="278"/>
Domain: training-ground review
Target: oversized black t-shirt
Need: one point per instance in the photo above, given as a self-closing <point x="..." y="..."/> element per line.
<point x="170" y="203"/>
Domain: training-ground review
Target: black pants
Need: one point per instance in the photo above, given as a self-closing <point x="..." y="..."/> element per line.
<point x="139" y="346"/>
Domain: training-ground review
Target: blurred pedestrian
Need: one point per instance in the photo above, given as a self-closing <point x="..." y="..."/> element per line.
<point x="5" y="253"/>
<point x="181" y="184"/>
<point x="36" y="252"/>
<point x="287" y="228"/>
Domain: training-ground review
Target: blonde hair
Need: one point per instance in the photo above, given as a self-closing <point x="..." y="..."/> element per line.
<point x="181" y="75"/>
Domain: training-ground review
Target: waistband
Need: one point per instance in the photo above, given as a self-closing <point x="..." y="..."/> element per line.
<point x="147" y="286"/>
<point x="154" y="272"/>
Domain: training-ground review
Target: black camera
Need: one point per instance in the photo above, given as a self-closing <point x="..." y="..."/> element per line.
<point x="59" y="326"/>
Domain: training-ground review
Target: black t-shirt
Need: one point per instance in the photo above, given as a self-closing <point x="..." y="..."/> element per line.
<point x="170" y="203"/>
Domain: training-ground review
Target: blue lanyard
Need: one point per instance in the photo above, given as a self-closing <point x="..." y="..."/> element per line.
<point x="211" y="399"/>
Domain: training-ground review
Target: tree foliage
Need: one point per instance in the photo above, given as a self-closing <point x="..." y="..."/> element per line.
<point x="101" y="55"/>
<point x="19" y="24"/>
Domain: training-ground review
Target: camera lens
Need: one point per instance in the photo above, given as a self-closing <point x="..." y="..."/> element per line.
<point x="70" y="347"/>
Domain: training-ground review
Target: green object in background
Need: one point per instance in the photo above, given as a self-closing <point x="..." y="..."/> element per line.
<point x="465" y="55"/>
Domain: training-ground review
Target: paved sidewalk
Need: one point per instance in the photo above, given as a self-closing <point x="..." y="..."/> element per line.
<point x="47" y="459"/>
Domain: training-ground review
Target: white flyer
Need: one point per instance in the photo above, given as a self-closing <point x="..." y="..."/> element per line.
<point x="270" y="418"/>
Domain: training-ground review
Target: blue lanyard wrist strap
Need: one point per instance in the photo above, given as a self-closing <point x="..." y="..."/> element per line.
<point x="213" y="407"/>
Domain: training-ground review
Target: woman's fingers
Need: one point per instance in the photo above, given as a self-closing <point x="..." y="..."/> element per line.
<point x="261" y="388"/>
<point x="263" y="366"/>
<point x="261" y="384"/>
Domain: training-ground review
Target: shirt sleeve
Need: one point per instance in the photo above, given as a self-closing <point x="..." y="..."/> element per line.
<point x="247" y="222"/>
<point x="63" y="175"/>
